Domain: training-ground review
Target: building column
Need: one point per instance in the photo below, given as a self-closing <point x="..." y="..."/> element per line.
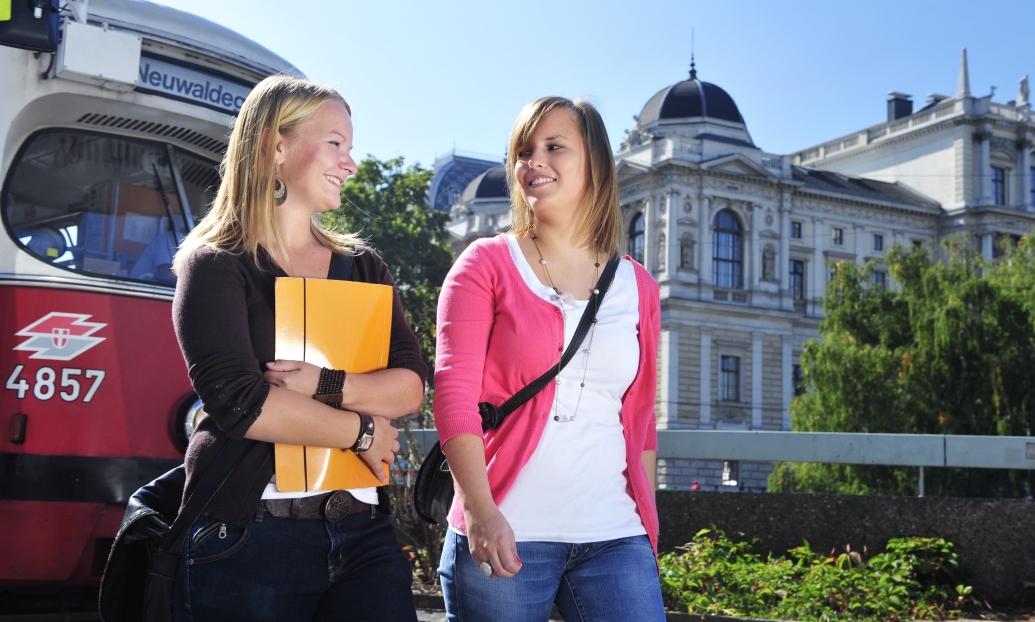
<point x="817" y="285"/>
<point x="649" y="246"/>
<point x="987" y="245"/>
<point x="672" y="234"/>
<point x="756" y="381"/>
<point x="756" y="249"/>
<point x="669" y="379"/>
<point x="788" y="381"/>
<point x="784" y="268"/>
<point x="704" y="242"/>
<point x="705" y="417"/>
<point x="984" y="135"/>
<point x="1024" y="171"/>
<point x="860" y="243"/>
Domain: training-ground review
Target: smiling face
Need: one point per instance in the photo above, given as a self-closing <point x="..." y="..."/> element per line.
<point x="551" y="170"/>
<point x="316" y="160"/>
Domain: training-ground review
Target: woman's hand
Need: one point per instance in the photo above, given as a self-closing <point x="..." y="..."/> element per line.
<point x="297" y="376"/>
<point x="492" y="540"/>
<point x="384" y="448"/>
<point x="489" y="535"/>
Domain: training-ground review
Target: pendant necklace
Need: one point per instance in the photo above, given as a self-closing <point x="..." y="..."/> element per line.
<point x="568" y="298"/>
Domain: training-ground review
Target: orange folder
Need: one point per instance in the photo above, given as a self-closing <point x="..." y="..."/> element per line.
<point x="340" y="325"/>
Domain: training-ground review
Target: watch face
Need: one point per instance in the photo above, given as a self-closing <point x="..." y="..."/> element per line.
<point x="366" y="442"/>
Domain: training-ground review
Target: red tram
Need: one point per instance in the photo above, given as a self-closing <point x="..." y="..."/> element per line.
<point x="113" y="119"/>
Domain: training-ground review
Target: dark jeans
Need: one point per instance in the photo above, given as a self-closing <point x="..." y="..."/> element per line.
<point x="280" y="569"/>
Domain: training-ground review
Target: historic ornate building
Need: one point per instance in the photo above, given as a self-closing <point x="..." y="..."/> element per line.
<point x="741" y="240"/>
<point x="970" y="154"/>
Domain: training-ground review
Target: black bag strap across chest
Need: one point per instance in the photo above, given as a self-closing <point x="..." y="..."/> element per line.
<point x="341" y="267"/>
<point x="493" y="416"/>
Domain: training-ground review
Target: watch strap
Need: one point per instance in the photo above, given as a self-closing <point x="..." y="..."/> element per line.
<point x="366" y="434"/>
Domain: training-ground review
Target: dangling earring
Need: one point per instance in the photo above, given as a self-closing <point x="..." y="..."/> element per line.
<point x="279" y="190"/>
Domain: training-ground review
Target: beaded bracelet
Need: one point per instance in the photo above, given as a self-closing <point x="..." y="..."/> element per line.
<point x="329" y="387"/>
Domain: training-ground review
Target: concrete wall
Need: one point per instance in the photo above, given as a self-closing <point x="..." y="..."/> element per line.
<point x="994" y="538"/>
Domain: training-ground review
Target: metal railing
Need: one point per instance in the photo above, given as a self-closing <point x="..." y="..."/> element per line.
<point x="916" y="450"/>
<point x="911" y="450"/>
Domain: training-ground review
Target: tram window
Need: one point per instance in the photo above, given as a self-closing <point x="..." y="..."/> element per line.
<point x="200" y="182"/>
<point x="102" y="205"/>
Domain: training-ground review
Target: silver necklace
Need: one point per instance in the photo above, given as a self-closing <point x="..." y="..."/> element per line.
<point x="564" y="315"/>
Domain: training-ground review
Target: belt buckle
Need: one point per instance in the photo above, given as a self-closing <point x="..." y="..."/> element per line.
<point x="337" y="506"/>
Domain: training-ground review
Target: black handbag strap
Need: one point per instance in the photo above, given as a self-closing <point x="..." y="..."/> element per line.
<point x="589" y="317"/>
<point x="341" y="267"/>
<point x="212" y="480"/>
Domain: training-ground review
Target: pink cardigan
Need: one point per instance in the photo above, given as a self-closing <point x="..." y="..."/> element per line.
<point x="495" y="336"/>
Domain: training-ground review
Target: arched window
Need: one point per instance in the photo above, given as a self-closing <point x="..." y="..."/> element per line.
<point x="636" y="238"/>
<point x="727" y="255"/>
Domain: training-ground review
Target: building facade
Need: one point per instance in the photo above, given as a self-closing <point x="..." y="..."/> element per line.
<point x="741" y="241"/>
<point x="971" y="155"/>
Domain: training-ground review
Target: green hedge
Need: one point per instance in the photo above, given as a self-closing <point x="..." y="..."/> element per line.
<point x="914" y="578"/>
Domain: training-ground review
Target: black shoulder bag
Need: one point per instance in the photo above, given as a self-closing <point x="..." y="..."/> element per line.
<point x="433" y="489"/>
<point x="140" y="573"/>
<point x="138" y="578"/>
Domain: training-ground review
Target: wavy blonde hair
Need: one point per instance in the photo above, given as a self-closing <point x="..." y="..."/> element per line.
<point x="243" y="212"/>
<point x="600" y="220"/>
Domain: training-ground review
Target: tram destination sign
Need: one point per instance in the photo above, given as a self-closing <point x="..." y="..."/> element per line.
<point x="191" y="85"/>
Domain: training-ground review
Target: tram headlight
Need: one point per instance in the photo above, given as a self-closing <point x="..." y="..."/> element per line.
<point x="193" y="418"/>
<point x="188" y="417"/>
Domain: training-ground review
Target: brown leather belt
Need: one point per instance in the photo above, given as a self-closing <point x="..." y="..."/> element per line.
<point x="332" y="506"/>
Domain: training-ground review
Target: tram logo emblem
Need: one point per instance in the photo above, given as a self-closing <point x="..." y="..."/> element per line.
<point x="59" y="336"/>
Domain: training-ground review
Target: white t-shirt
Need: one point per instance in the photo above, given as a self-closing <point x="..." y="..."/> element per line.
<point x="366" y="495"/>
<point x="573" y="488"/>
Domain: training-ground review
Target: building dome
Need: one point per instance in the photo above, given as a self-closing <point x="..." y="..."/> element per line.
<point x="492" y="184"/>
<point x="688" y="99"/>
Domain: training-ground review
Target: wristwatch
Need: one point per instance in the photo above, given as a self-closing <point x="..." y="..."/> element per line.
<point x="366" y="434"/>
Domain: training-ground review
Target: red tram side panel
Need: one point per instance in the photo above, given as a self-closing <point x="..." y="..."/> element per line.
<point x="100" y="379"/>
<point x="105" y="166"/>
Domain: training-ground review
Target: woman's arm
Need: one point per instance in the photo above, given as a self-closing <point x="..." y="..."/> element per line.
<point x="210" y="314"/>
<point x="489" y="535"/>
<point x="388" y="393"/>
<point x="650" y="461"/>
<point x="295" y="419"/>
<point x="392" y="392"/>
<point x="466" y="311"/>
<point x="650" y="447"/>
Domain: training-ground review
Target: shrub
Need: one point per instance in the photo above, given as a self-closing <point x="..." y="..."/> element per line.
<point x="912" y="578"/>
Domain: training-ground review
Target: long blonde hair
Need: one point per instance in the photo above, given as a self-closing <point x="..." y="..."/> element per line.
<point x="243" y="212"/>
<point x="600" y="220"/>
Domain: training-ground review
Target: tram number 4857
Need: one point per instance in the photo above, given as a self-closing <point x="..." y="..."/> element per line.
<point x="47" y="385"/>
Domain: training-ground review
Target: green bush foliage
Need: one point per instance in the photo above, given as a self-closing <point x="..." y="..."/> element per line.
<point x="948" y="347"/>
<point x="912" y="579"/>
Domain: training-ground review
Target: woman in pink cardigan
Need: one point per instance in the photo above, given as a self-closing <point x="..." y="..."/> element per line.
<point x="556" y="506"/>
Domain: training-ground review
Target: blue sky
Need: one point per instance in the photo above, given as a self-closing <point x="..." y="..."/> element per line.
<point x="423" y="77"/>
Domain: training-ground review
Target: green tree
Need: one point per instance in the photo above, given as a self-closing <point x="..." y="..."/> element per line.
<point x="949" y="350"/>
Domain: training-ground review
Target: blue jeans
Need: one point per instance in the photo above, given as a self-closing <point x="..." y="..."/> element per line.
<point x="612" y="580"/>
<point x="285" y="570"/>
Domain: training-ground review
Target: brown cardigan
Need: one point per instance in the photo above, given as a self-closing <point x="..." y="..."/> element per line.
<point x="223" y="313"/>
